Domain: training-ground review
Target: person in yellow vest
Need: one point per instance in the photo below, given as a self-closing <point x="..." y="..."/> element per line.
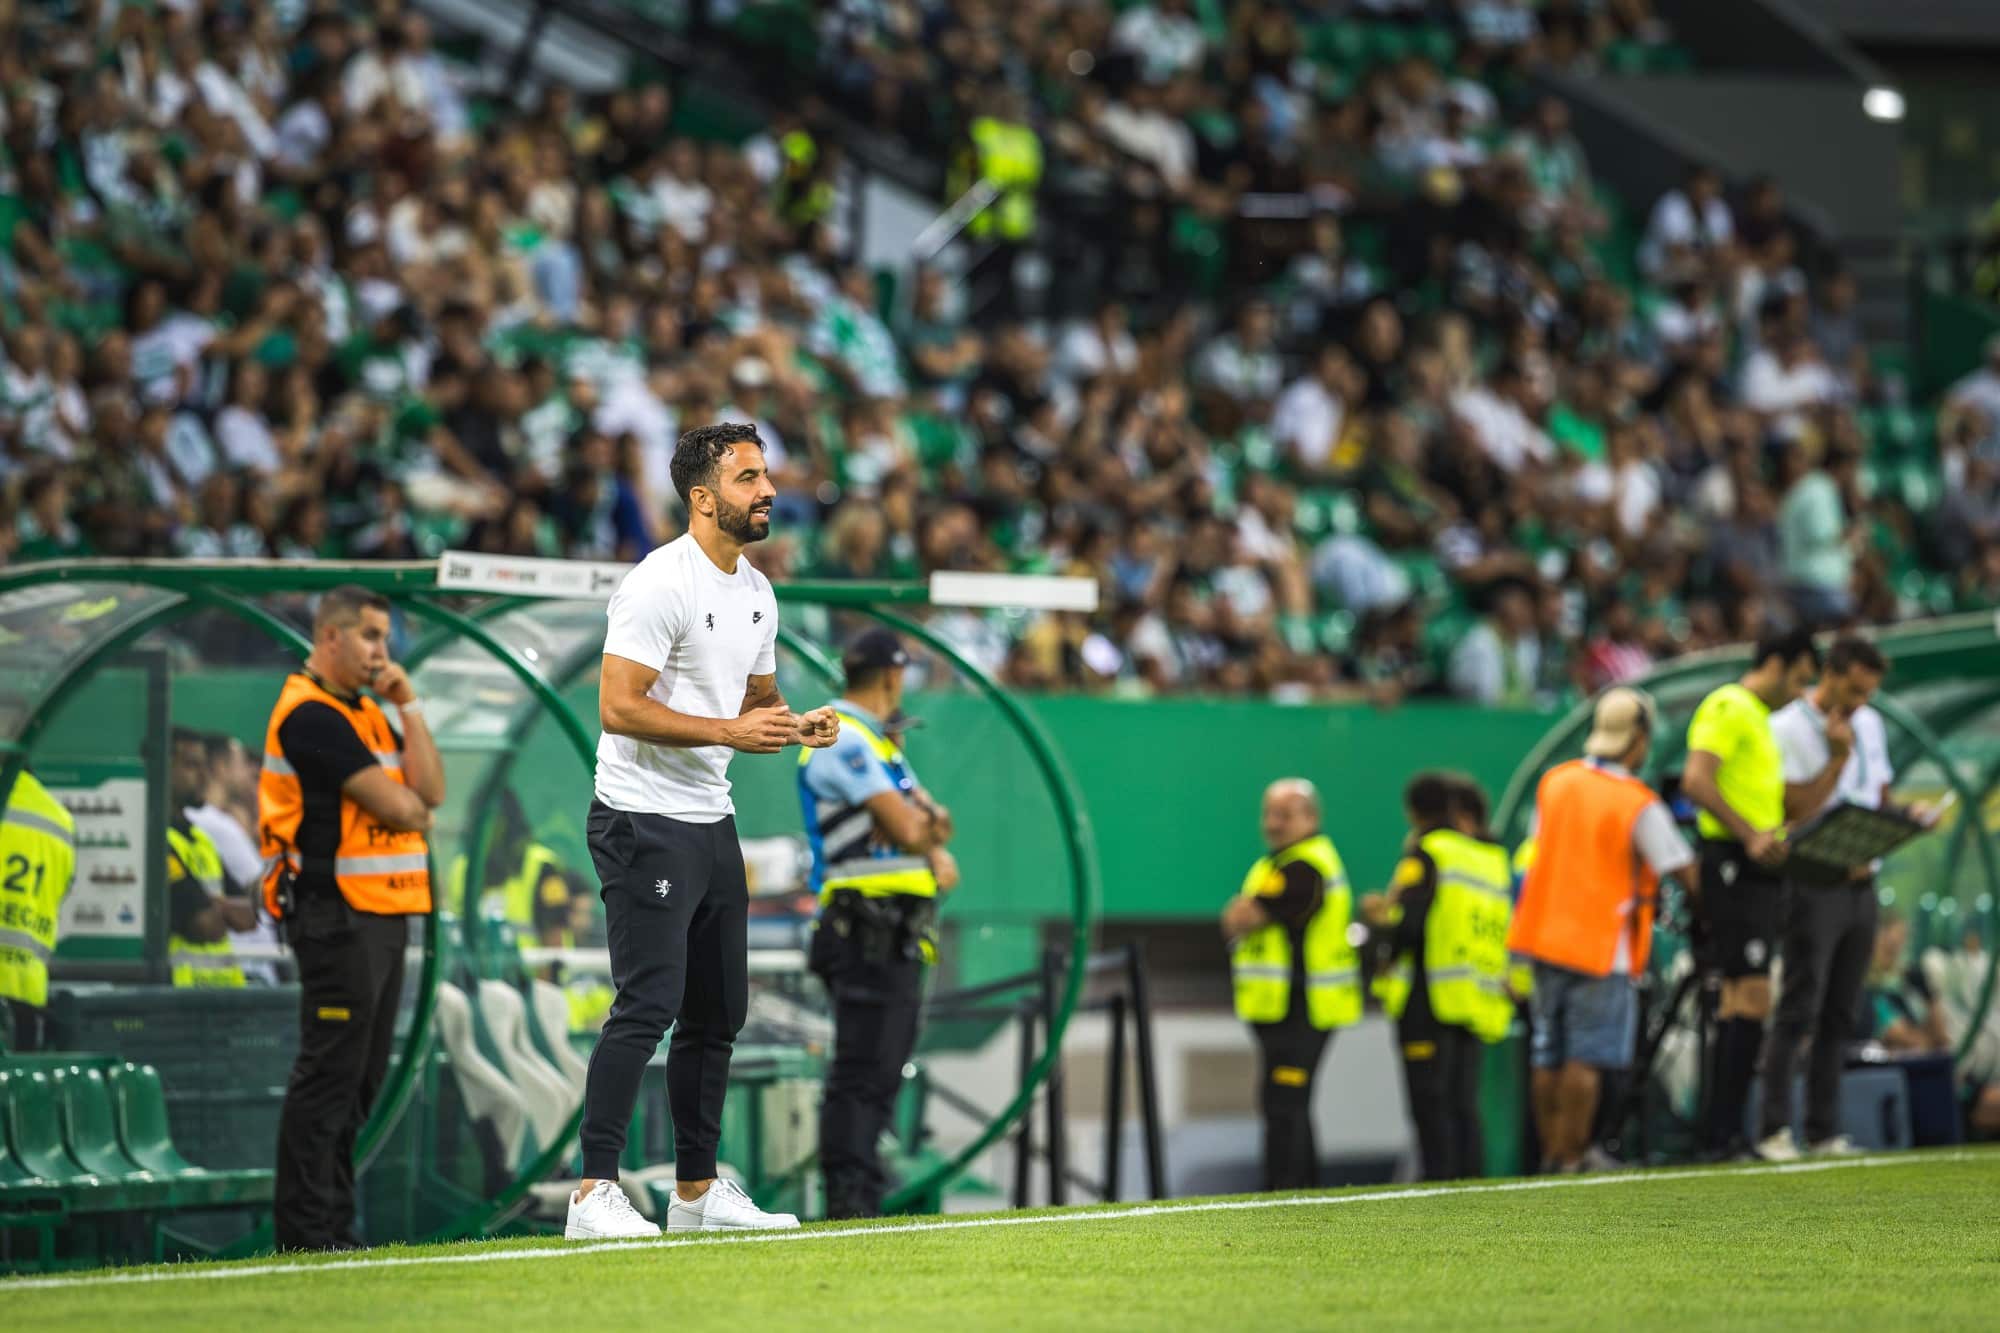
<point x="1002" y="150"/>
<point x="1296" y="974"/>
<point x="343" y="803"/>
<point x="879" y="863"/>
<point x="37" y="865"/>
<point x="1603" y="842"/>
<point x="203" y="904"/>
<point x="1442" y="931"/>
<point x="1735" y="774"/>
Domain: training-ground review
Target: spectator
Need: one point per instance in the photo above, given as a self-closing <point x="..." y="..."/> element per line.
<point x="1691" y="222"/>
<point x="1498" y="662"/>
<point x="1618" y="653"/>
<point x="1162" y="36"/>
<point x="1816" y="538"/>
<point x="1896" y="1014"/>
<point x="1313" y="412"/>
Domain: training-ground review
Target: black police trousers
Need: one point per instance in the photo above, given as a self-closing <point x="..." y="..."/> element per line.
<point x="1441" y="1064"/>
<point x="877" y="994"/>
<point x="1289" y="1054"/>
<point x="350" y="981"/>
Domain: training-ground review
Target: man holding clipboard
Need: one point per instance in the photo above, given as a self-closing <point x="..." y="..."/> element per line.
<point x="1835" y="751"/>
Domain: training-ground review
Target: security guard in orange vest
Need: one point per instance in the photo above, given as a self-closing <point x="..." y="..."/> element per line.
<point x="1296" y="975"/>
<point x="343" y="806"/>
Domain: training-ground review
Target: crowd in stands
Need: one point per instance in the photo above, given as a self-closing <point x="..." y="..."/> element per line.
<point x="1374" y="392"/>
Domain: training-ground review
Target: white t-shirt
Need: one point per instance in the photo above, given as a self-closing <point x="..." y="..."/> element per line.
<point x="706" y="633"/>
<point x="1307" y="420"/>
<point x="1801" y="731"/>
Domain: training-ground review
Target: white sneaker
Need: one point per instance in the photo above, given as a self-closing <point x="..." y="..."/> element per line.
<point x="1779" y="1148"/>
<point x="724" y="1208"/>
<point x="1837" y="1146"/>
<point x="606" y="1214"/>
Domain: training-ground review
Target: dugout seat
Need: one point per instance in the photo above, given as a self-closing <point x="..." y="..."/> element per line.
<point x="552" y="1012"/>
<point x="138" y="1104"/>
<point x="487" y="1092"/>
<point x="90" y="1132"/>
<point x="34" y="1129"/>
<point x="545" y="1093"/>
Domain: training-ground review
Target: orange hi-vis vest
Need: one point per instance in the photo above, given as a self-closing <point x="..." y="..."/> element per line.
<point x="379" y="869"/>
<point x="1587" y="886"/>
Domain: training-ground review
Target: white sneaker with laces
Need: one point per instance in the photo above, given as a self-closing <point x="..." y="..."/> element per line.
<point x="724" y="1208"/>
<point x="606" y="1214"/>
<point x="1779" y="1148"/>
<point x="1837" y="1146"/>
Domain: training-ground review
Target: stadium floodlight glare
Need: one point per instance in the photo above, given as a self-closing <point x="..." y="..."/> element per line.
<point x="1882" y="103"/>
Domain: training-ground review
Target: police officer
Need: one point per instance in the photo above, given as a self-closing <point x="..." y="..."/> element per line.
<point x="879" y="864"/>
<point x="204" y="906"/>
<point x="344" y="803"/>
<point x="1735" y="774"/>
<point x="1296" y="974"/>
<point x="1441" y="930"/>
<point x="37" y="863"/>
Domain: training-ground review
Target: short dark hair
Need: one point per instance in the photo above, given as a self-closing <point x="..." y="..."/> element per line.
<point x="180" y="736"/>
<point x="1850" y="651"/>
<point x="344" y="603"/>
<point x="1468" y="798"/>
<point x="1787" y="646"/>
<point x="218" y="744"/>
<point x="701" y="449"/>
<point x="1429" y="798"/>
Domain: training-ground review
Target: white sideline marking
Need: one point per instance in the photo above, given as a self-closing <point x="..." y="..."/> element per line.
<point x="193" y="1273"/>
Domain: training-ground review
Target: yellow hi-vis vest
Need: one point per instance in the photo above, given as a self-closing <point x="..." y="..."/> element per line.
<point x="841" y="834"/>
<point x="522" y="887"/>
<point x="1521" y="971"/>
<point x="1465" y="939"/>
<point x="1009" y="155"/>
<point x="192" y="854"/>
<point x="1261" y="963"/>
<point x="37" y="863"/>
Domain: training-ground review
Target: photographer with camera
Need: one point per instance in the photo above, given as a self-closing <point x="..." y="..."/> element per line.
<point x="1604" y="841"/>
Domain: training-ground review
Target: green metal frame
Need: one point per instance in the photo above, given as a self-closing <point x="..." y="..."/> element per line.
<point x="1925" y="652"/>
<point x="227" y="586"/>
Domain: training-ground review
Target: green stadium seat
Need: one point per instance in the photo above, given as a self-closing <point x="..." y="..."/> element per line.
<point x="1338" y="43"/>
<point x="90" y="1132"/>
<point x="1335" y="631"/>
<point x="1669" y="58"/>
<point x="1436" y="44"/>
<point x="1624" y="58"/>
<point x="140" y="1106"/>
<point x="34" y="1130"/>
<point x="1388" y="44"/>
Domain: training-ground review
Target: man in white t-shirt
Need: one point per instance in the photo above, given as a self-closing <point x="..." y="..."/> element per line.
<point x="1835" y="749"/>
<point x="689" y="678"/>
<point x="232" y="787"/>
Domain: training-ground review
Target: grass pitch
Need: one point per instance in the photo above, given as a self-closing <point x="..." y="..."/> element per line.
<point x="1909" y="1241"/>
